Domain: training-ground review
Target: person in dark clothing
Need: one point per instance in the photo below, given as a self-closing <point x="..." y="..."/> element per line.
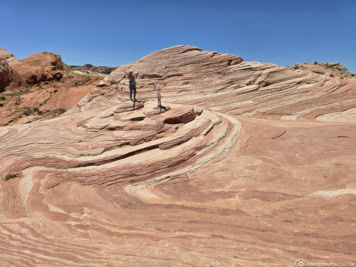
<point x="132" y="85"/>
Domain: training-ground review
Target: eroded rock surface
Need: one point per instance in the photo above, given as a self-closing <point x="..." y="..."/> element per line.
<point x="8" y="77"/>
<point x="5" y="76"/>
<point x="6" y="55"/>
<point x="332" y="69"/>
<point x="39" y="67"/>
<point x="38" y="87"/>
<point x="251" y="165"/>
<point x="227" y="84"/>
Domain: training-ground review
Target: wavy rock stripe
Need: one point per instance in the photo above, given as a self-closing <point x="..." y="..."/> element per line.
<point x="228" y="84"/>
<point x="251" y="164"/>
<point x="100" y="149"/>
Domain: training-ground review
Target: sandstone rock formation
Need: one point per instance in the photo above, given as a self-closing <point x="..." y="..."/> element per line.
<point x="227" y="84"/>
<point x="36" y="88"/>
<point x="252" y="165"/>
<point x="45" y="100"/>
<point x="6" y="55"/>
<point x="39" y="67"/>
<point x="333" y="69"/>
<point x="99" y="69"/>
<point x="32" y="70"/>
<point x="8" y="77"/>
<point x="4" y="74"/>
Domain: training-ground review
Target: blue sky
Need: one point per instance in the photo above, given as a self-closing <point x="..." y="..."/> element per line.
<point x="114" y="33"/>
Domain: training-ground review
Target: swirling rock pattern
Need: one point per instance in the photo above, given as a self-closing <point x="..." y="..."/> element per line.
<point x="227" y="84"/>
<point x="251" y="164"/>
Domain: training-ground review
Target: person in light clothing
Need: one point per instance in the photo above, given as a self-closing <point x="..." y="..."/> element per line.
<point x="158" y="93"/>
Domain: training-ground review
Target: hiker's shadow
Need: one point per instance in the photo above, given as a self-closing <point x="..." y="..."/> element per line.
<point x="162" y="107"/>
<point x="140" y="104"/>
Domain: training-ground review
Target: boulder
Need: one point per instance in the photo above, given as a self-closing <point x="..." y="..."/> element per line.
<point x="8" y="77"/>
<point x="4" y="74"/>
<point x="39" y="67"/>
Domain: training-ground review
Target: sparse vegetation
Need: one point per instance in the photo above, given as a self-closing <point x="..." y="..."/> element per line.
<point x="52" y="113"/>
<point x="28" y="112"/>
<point x="81" y="82"/>
<point x="77" y="83"/>
<point x="11" y="176"/>
<point x="18" y="93"/>
<point x="66" y="68"/>
<point x="2" y="98"/>
<point x="59" y="110"/>
<point x="39" y="112"/>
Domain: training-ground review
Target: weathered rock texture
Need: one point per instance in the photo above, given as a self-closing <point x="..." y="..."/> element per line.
<point x="251" y="165"/>
<point x="45" y="100"/>
<point x="39" y="67"/>
<point x="88" y="68"/>
<point x="6" y="55"/>
<point x="227" y="84"/>
<point x="5" y="74"/>
<point x="333" y="69"/>
<point x="99" y="69"/>
<point x="8" y="77"/>
<point x="38" y="88"/>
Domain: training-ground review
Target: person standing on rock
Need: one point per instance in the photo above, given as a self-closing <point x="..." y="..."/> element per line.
<point x="158" y="92"/>
<point x="132" y="85"/>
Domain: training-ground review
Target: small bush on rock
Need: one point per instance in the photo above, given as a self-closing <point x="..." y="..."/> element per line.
<point x="27" y="112"/>
<point x="11" y="176"/>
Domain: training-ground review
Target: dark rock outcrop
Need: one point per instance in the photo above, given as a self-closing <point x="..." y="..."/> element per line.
<point x="92" y="68"/>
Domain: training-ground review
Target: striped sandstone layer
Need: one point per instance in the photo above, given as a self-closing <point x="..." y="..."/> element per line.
<point x="251" y="165"/>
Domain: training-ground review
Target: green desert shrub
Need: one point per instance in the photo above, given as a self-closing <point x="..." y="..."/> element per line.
<point x="11" y="176"/>
<point x="27" y="112"/>
<point x="60" y="110"/>
<point x="18" y="93"/>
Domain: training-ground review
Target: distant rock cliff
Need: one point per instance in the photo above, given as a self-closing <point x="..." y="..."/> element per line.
<point x="92" y="68"/>
<point x="37" y="87"/>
